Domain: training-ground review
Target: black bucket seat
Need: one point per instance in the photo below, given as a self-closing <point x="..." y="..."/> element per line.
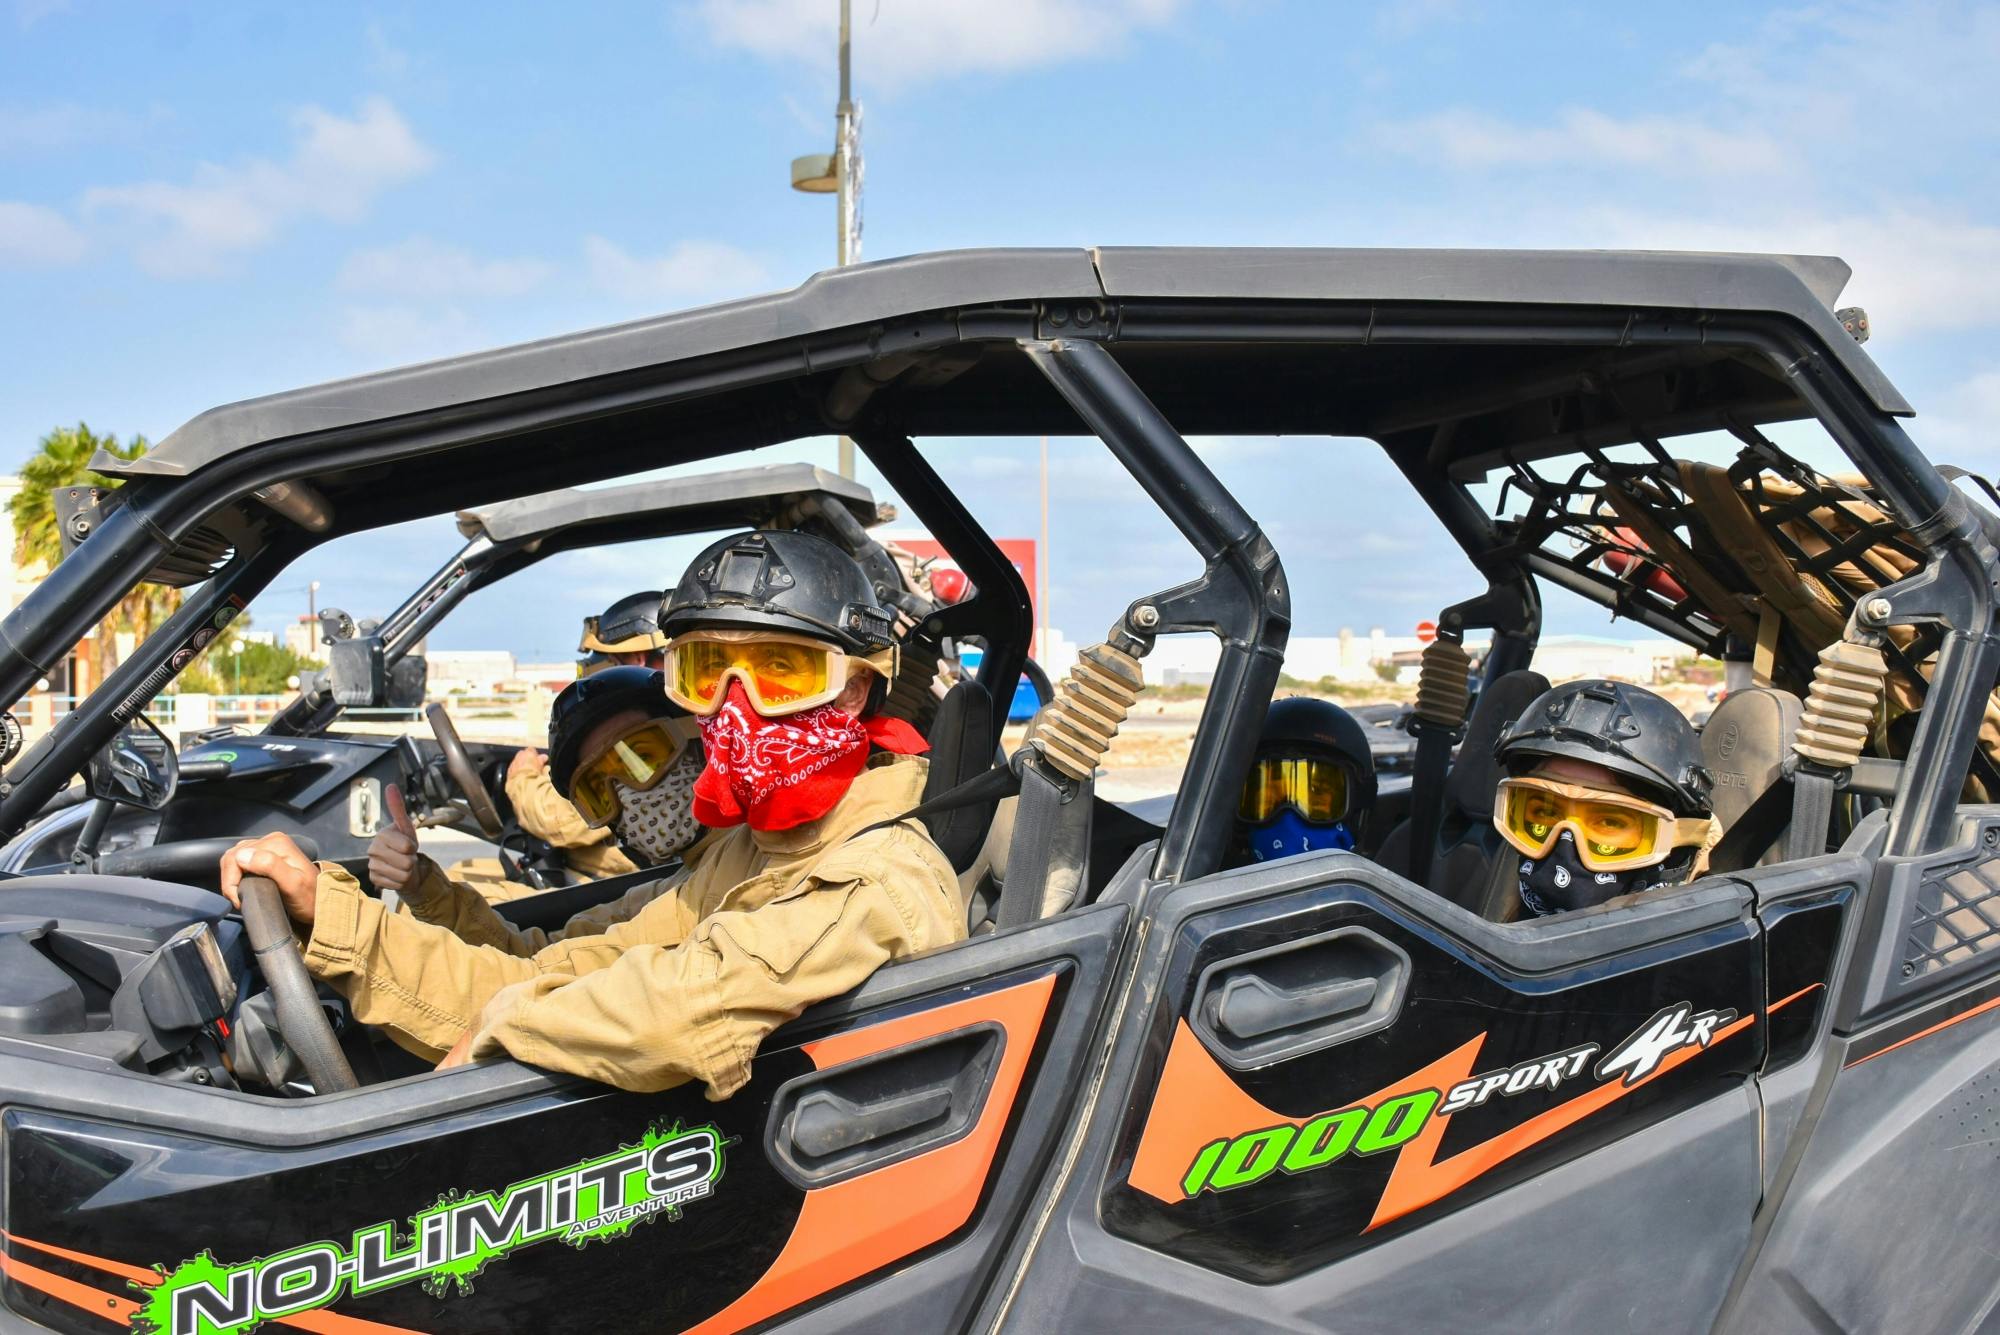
<point x="1468" y="846"/>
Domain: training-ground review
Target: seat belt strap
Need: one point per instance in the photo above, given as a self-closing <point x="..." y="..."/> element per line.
<point x="1812" y="812"/>
<point x="1434" y="746"/>
<point x="1041" y="859"/>
<point x="1766" y="660"/>
<point x="990" y="786"/>
<point x="1745" y="841"/>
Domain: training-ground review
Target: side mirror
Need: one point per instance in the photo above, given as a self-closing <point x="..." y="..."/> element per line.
<point x="139" y="768"/>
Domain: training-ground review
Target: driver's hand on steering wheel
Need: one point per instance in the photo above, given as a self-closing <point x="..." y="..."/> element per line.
<point x="392" y="856"/>
<point x="527" y="760"/>
<point x="275" y="856"/>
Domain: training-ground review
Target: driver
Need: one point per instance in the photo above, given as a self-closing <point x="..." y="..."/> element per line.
<point x="1311" y="785"/>
<point x="812" y="879"/>
<point x="628" y="757"/>
<point x="1605" y="795"/>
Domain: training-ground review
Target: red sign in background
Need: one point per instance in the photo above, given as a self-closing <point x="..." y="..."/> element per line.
<point x="1021" y="551"/>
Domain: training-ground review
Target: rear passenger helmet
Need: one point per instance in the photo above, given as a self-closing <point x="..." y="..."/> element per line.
<point x="630" y="625"/>
<point x="1626" y="729"/>
<point x="1301" y="726"/>
<point x="587" y="702"/>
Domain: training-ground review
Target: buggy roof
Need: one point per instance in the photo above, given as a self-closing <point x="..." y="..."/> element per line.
<point x="1491" y="353"/>
<point x="739" y="498"/>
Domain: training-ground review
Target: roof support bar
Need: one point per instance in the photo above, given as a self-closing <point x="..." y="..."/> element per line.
<point x="1242" y="597"/>
<point x="1000" y="609"/>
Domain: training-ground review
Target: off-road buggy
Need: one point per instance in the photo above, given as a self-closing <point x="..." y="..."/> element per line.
<point x="1333" y="1092"/>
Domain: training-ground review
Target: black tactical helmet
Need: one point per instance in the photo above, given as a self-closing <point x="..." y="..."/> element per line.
<point x="1301" y="725"/>
<point x="1626" y="729"/>
<point x="775" y="580"/>
<point x="630" y="625"/>
<point x="589" y="701"/>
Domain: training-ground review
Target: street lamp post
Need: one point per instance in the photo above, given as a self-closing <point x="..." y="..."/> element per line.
<point x="839" y="174"/>
<point x="236" y="664"/>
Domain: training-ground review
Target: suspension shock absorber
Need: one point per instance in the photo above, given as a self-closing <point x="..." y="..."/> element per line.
<point x="1444" y="689"/>
<point x="1444" y="684"/>
<point x="1840" y="710"/>
<point x="1847" y="688"/>
<point x="1074" y="730"/>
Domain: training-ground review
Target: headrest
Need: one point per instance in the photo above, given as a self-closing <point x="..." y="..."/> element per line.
<point x="1744" y="745"/>
<point x="1476" y="773"/>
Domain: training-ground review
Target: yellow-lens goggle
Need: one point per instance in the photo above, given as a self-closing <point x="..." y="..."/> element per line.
<point x="1317" y="787"/>
<point x="1613" y="831"/>
<point x="639" y="759"/>
<point x="781" y="674"/>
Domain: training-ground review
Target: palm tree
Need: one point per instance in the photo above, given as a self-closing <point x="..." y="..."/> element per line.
<point x="63" y="460"/>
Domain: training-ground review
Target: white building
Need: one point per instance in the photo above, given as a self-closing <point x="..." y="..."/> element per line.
<point x="302" y="638"/>
<point x="472" y="671"/>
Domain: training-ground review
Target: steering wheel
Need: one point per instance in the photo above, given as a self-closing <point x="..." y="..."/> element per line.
<point x="295" y="1001"/>
<point x="463" y="773"/>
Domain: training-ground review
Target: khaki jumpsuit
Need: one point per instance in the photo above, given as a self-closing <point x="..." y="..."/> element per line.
<point x="762" y="925"/>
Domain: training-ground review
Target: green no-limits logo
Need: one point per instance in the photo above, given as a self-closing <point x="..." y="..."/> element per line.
<point x="447" y="1244"/>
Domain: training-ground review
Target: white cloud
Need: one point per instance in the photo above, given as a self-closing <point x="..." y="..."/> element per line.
<point x="1878" y="85"/>
<point x="1407" y="18"/>
<point x="30" y="12"/>
<point x="398" y="335"/>
<point x="687" y="273"/>
<point x="420" y="267"/>
<point x="385" y="59"/>
<point x="32" y="237"/>
<point x="1960" y="430"/>
<point x="1584" y="138"/>
<point x="334" y="173"/>
<point x="62" y="125"/>
<point x="904" y="42"/>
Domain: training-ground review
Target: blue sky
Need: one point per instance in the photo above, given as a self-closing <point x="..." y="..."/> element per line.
<point x="203" y="202"/>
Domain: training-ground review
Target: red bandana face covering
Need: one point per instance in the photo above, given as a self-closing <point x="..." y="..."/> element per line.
<point x="777" y="773"/>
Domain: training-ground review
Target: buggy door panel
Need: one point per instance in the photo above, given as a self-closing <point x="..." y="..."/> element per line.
<point x="1594" y="1069"/>
<point x="1897" y="1108"/>
<point x="581" y="1207"/>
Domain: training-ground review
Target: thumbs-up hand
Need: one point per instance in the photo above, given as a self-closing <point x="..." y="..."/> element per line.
<point x="392" y="857"/>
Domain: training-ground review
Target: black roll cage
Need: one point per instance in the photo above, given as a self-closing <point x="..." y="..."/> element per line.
<point x="1956" y="589"/>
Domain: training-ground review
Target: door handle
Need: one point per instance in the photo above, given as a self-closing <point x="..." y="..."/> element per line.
<point x="1284" y="1001"/>
<point x="828" y="1122"/>
<point x="1250" y="1006"/>
<point x="830" y="1125"/>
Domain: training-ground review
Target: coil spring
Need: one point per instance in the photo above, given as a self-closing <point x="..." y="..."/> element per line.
<point x="1840" y="708"/>
<point x="1444" y="683"/>
<point x="1074" y="730"/>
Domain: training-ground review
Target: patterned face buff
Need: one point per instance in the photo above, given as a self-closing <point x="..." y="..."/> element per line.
<point x="660" y="822"/>
<point x="775" y="773"/>
<point x="1558" y="882"/>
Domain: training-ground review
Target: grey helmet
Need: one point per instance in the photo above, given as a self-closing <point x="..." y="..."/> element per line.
<point x="1626" y="729"/>
<point x="776" y="580"/>
<point x="630" y="625"/>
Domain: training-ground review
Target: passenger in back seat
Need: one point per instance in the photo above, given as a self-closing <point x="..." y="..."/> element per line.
<point x="1311" y="784"/>
<point x="1604" y="795"/>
